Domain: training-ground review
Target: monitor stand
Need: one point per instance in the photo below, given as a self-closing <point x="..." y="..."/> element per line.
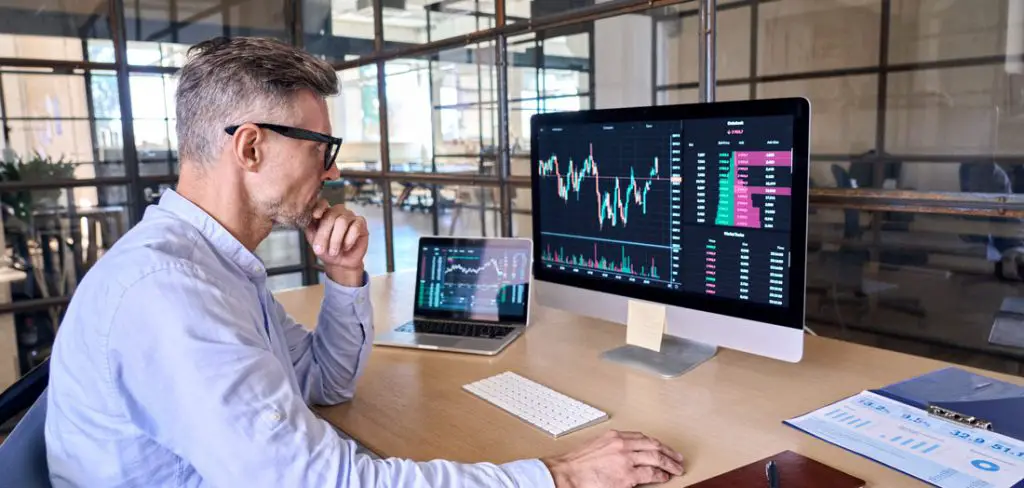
<point x="677" y="356"/>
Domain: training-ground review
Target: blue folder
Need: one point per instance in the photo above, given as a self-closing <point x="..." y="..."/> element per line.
<point x="986" y="402"/>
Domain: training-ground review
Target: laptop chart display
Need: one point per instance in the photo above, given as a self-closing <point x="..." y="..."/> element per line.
<point x="474" y="279"/>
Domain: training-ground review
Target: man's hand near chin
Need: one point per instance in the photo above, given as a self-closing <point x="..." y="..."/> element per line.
<point x="340" y="239"/>
<point x="616" y="460"/>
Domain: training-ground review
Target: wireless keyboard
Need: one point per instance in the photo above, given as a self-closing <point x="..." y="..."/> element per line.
<point x="536" y="404"/>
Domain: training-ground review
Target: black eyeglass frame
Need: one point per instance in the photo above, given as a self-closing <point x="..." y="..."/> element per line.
<point x="333" y="143"/>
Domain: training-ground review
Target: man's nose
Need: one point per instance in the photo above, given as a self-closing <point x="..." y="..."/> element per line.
<point x="332" y="174"/>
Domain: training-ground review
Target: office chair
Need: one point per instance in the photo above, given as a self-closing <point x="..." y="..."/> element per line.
<point x="1017" y="178"/>
<point x="989" y="177"/>
<point x="23" y="453"/>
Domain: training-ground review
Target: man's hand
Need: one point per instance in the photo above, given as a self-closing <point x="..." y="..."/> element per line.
<point x="339" y="238"/>
<point x="616" y="460"/>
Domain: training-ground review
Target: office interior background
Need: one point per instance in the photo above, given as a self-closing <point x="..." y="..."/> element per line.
<point x="917" y="145"/>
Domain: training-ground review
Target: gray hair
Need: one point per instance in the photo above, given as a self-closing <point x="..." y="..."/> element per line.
<point x="229" y="81"/>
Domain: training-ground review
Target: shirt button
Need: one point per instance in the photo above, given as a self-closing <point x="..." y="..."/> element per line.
<point x="276" y="417"/>
<point x="360" y="299"/>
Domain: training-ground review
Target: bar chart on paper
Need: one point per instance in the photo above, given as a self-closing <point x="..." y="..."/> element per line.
<point x="907" y="439"/>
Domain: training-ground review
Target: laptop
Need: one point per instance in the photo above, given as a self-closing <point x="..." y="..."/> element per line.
<point x="472" y="295"/>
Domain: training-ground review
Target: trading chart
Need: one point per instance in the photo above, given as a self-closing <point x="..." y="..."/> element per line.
<point x="702" y="205"/>
<point x="473" y="278"/>
<point x="614" y="192"/>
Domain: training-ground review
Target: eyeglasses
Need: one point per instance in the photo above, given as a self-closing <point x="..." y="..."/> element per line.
<point x="333" y="143"/>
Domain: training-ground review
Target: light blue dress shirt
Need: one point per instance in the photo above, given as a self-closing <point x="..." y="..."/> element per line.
<point x="174" y="366"/>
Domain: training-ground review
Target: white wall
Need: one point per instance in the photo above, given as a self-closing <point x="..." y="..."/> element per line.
<point x="622" y="63"/>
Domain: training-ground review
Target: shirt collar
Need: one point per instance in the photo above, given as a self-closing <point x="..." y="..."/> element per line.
<point x="226" y="244"/>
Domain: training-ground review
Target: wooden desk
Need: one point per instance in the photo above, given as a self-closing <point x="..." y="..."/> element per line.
<point x="724" y="414"/>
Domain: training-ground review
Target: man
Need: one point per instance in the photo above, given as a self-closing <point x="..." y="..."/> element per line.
<point x="175" y="366"/>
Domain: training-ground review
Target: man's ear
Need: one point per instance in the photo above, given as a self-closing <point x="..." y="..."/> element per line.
<point x="247" y="146"/>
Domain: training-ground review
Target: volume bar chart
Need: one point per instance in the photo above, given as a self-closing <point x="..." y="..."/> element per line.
<point x="610" y="260"/>
<point x="623" y="265"/>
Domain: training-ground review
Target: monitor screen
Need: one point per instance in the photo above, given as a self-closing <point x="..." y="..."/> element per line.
<point x="698" y="207"/>
<point x="475" y="279"/>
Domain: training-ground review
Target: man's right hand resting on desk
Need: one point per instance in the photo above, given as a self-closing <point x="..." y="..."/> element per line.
<point x="617" y="459"/>
<point x="176" y="367"/>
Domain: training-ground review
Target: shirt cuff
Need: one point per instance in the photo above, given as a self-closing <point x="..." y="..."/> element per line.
<point x="328" y="281"/>
<point x="530" y="473"/>
<point x="340" y="297"/>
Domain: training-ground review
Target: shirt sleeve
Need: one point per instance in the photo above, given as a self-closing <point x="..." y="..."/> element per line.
<point x="194" y="373"/>
<point x="329" y="360"/>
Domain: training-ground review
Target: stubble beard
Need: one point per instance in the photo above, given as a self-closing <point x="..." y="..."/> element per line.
<point x="296" y="220"/>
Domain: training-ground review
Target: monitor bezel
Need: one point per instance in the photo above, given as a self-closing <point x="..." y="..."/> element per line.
<point x="792" y="315"/>
<point x="514" y="243"/>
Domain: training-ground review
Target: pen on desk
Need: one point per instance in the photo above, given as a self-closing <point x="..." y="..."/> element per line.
<point x="772" y="472"/>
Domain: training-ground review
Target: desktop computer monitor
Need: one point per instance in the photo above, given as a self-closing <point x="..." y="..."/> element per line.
<point x="702" y="208"/>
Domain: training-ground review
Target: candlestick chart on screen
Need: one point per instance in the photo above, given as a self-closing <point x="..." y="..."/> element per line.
<point x="612" y="201"/>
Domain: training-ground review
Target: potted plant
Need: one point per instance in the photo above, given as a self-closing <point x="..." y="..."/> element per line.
<point x="34" y="168"/>
<point x="51" y="274"/>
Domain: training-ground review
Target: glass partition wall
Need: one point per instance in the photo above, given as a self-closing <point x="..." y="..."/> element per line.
<point x="916" y="240"/>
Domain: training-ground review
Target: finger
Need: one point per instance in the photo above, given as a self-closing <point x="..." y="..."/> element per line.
<point x="356" y="231"/>
<point x="323" y="233"/>
<point x="321" y="207"/>
<point x="651" y="444"/>
<point x="672" y="453"/>
<point x="338" y="235"/>
<point x="645" y="475"/>
<point x="658" y="460"/>
<point x="644" y="444"/>
<point x="610" y="434"/>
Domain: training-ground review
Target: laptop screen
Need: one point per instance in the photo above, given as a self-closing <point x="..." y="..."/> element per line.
<point x="473" y="279"/>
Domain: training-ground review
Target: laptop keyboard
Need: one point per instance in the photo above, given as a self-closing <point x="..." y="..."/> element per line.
<point x="459" y="329"/>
